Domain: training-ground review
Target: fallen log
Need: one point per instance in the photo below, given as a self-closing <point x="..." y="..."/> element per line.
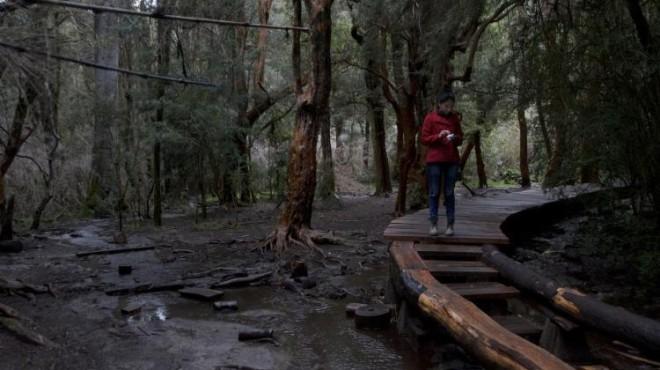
<point x="8" y="311"/>
<point x="15" y="285"/>
<point x="24" y="333"/>
<point x="114" y="251"/>
<point x="146" y="288"/>
<point x="473" y="329"/>
<point x="241" y="281"/>
<point x="612" y="320"/>
<point x="254" y="334"/>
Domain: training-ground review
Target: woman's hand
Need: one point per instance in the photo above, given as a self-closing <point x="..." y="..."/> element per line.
<point x="443" y="133"/>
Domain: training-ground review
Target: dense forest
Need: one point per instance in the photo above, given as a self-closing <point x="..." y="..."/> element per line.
<point x="140" y="111"/>
<point x="218" y="116"/>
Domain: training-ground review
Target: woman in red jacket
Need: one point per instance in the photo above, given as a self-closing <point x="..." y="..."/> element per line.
<point x="442" y="133"/>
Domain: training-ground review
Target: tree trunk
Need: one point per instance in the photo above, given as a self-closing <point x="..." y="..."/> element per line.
<point x="163" y="29"/>
<point x="7" y="220"/>
<point x="326" y="187"/>
<point x="407" y="159"/>
<point x="365" y="145"/>
<point x="16" y="138"/>
<point x="158" y="211"/>
<point x="468" y="145"/>
<point x="201" y="181"/>
<point x="481" y="167"/>
<point x="525" y="182"/>
<point x="313" y="106"/>
<point x="381" y="162"/>
<point x="105" y="101"/>
<point x="263" y="11"/>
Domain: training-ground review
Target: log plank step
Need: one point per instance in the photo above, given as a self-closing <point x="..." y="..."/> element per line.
<point x="520" y="326"/>
<point x="448" y="251"/>
<point x="444" y="268"/>
<point x="484" y="290"/>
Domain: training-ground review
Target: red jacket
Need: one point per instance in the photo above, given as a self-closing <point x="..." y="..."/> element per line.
<point x="441" y="149"/>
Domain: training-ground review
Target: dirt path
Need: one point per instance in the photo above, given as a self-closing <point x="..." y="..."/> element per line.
<point x="172" y="332"/>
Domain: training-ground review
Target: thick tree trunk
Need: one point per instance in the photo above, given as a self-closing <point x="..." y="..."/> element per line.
<point x="313" y="106"/>
<point x="525" y="181"/>
<point x="105" y="101"/>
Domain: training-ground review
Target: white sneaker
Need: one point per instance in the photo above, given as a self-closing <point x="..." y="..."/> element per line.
<point x="450" y="230"/>
<point x="434" y="230"/>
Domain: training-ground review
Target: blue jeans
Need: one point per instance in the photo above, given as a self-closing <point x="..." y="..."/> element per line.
<point x="435" y="173"/>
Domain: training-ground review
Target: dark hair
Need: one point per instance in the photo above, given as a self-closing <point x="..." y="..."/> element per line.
<point x="446" y="95"/>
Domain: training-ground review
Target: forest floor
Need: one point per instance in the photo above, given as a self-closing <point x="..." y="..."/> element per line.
<point x="173" y="332"/>
<point x="311" y="329"/>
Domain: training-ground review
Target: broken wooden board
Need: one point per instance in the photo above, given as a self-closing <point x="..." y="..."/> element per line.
<point x="203" y="294"/>
<point x="131" y="308"/>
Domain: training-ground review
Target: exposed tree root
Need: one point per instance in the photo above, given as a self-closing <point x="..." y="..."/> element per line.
<point x="286" y="236"/>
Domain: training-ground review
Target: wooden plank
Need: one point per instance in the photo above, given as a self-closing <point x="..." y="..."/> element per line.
<point x="439" y="251"/>
<point x="475" y="331"/>
<point x="484" y="290"/>
<point x="519" y="325"/>
<point x="425" y="238"/>
<point x="441" y="269"/>
<point x="405" y="256"/>
<point x="201" y="293"/>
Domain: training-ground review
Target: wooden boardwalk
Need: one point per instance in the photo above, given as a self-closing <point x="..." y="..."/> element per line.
<point x="478" y="219"/>
<point x="446" y="279"/>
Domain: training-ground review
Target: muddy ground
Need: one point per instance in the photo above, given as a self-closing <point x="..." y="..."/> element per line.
<point x="173" y="332"/>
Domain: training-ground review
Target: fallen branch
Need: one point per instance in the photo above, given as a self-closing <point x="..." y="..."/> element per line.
<point x="114" y="251"/>
<point x="24" y="333"/>
<point x="210" y="272"/>
<point x="8" y="311"/>
<point x="242" y="281"/>
<point x="146" y="288"/>
<point x="16" y="286"/>
<point x="151" y="76"/>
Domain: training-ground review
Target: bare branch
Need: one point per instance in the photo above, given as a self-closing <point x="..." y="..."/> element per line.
<point x="498" y="15"/>
<point x="184" y="81"/>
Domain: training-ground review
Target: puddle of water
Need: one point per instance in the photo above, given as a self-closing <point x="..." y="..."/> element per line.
<point x="315" y="332"/>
